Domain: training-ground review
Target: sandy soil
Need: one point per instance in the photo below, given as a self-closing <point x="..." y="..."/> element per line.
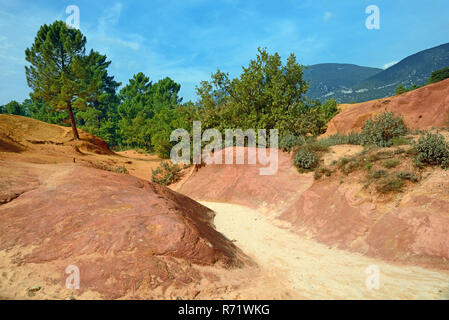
<point x="337" y="152"/>
<point x="316" y="271"/>
<point x="141" y="165"/>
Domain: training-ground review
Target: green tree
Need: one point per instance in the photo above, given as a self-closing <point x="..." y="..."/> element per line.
<point x="13" y="107"/>
<point x="149" y="112"/>
<point x="134" y="111"/>
<point x="400" y="89"/>
<point x="101" y="117"/>
<point x="60" y="72"/>
<point x="439" y="75"/>
<point x="40" y="110"/>
<point x="267" y="92"/>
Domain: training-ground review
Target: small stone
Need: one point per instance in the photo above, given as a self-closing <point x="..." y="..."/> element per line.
<point x="32" y="291"/>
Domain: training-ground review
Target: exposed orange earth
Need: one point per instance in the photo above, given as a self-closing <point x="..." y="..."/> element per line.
<point x="423" y="108"/>
<point x="130" y="238"/>
<point x="411" y="228"/>
<point x="282" y="236"/>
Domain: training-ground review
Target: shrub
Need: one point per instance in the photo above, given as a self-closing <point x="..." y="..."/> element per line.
<point x="412" y="152"/>
<point x="120" y="169"/>
<point x="355" y="138"/>
<point x="399" y="141"/>
<point x="342" y="162"/>
<point x="390" y="185"/>
<point x="289" y="141"/>
<point x="315" y="145"/>
<point x="381" y="129"/>
<point x="385" y="154"/>
<point x="166" y="173"/>
<point x="377" y="174"/>
<point x="439" y="75"/>
<point x="334" y="140"/>
<point x="305" y="159"/>
<point x="405" y="175"/>
<point x="400" y="90"/>
<point x="339" y="138"/>
<point x="390" y="163"/>
<point x="352" y="166"/>
<point x="432" y="149"/>
<point x="320" y="171"/>
<point x="373" y="157"/>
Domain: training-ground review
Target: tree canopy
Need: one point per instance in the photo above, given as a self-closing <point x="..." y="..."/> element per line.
<point x="439" y="75"/>
<point x="269" y="94"/>
<point x="67" y="84"/>
<point x="61" y="73"/>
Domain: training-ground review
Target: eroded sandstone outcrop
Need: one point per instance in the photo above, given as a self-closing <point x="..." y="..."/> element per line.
<point x="127" y="236"/>
<point x="423" y="108"/>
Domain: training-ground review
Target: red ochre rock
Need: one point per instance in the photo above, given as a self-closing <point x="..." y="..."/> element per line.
<point x="242" y="183"/>
<point x="123" y="233"/>
<point x="423" y="108"/>
<point x="414" y="231"/>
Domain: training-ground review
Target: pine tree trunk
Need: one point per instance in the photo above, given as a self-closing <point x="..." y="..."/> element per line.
<point x="72" y="121"/>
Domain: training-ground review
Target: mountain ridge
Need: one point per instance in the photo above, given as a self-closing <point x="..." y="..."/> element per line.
<point x="413" y="69"/>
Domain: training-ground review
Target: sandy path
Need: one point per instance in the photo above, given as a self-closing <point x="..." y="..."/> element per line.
<point x="314" y="270"/>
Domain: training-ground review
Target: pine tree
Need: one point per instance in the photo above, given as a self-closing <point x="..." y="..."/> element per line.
<point x="60" y="72"/>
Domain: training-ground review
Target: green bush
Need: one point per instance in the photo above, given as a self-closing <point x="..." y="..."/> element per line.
<point x="381" y="129"/>
<point x="400" y="141"/>
<point x="353" y="165"/>
<point x="289" y="141"/>
<point x="391" y="163"/>
<point x="439" y="75"/>
<point x="305" y="159"/>
<point x="120" y="169"/>
<point x="405" y="175"/>
<point x="339" y="138"/>
<point x="399" y="151"/>
<point x="432" y="149"/>
<point x="319" y="171"/>
<point x="342" y="162"/>
<point x="390" y="185"/>
<point x="166" y="173"/>
<point x="400" y="89"/>
<point x="377" y="174"/>
<point x="316" y="146"/>
<point x="355" y="138"/>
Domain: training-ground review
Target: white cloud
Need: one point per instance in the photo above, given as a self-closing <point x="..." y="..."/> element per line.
<point x="105" y="34"/>
<point x="328" y="15"/>
<point x="18" y="32"/>
<point x="389" y="64"/>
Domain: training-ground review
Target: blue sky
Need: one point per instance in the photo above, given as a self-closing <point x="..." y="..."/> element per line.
<point x="188" y="40"/>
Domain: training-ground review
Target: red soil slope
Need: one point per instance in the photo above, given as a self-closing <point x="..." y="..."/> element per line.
<point x="412" y="229"/>
<point x="242" y="184"/>
<point x="422" y="108"/>
<point x="19" y="133"/>
<point x="130" y="238"/>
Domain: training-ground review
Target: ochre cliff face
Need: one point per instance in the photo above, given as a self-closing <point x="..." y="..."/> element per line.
<point x="123" y="233"/>
<point x="412" y="227"/>
<point x="422" y="108"/>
